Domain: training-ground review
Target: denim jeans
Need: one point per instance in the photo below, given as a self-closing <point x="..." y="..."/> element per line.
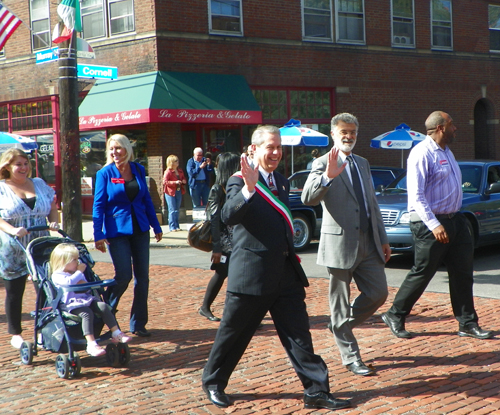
<point x="173" y="203"/>
<point x="127" y="253"/>
<point x="199" y="193"/>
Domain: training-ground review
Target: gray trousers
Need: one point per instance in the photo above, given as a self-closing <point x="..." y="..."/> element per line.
<point x="369" y="275"/>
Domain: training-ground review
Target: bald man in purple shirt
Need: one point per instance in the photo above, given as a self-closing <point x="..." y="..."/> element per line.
<point x="441" y="233"/>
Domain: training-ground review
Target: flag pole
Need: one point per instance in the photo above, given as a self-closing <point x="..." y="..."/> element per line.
<point x="37" y="35"/>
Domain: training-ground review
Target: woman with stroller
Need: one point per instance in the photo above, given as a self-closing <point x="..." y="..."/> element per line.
<point x="123" y="213"/>
<point x="174" y="183"/>
<point x="24" y="202"/>
<point x="67" y="270"/>
<point x="227" y="165"/>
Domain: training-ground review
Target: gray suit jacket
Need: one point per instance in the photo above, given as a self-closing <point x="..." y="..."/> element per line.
<point x="339" y="240"/>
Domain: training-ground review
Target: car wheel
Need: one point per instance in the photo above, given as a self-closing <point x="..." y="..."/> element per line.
<point x="302" y="232"/>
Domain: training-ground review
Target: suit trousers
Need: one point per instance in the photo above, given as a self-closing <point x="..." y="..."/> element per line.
<point x="457" y="255"/>
<point x="241" y="317"/>
<point x="368" y="273"/>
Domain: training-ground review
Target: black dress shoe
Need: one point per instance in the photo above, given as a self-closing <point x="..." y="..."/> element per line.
<point x="210" y="317"/>
<point x="218" y="398"/>
<point x="475" y="332"/>
<point x="359" y="368"/>
<point x="396" y="327"/>
<point x="142" y="333"/>
<point x="322" y="400"/>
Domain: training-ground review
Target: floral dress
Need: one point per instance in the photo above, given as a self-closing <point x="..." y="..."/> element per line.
<point x="16" y="212"/>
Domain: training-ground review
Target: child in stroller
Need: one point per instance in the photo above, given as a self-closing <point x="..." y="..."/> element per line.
<point x="67" y="270"/>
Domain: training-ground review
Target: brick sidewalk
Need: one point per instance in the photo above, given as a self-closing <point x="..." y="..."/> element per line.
<point x="436" y="372"/>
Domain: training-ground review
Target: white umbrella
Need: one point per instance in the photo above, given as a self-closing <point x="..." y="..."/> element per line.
<point x="401" y="138"/>
<point x="9" y="140"/>
<point x="293" y="134"/>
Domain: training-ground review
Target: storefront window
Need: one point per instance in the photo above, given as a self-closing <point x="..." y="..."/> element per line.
<point x="44" y="162"/>
<point x="4" y="120"/>
<point x="31" y="115"/>
<point x="139" y="144"/>
<point x="92" y="158"/>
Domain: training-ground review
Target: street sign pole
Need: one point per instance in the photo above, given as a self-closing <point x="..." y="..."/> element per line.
<point x="70" y="140"/>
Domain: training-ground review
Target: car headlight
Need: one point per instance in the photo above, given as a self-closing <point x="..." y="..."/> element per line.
<point x="405" y="218"/>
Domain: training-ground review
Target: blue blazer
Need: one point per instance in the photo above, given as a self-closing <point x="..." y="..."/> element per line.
<point x="112" y="211"/>
<point x="193" y="170"/>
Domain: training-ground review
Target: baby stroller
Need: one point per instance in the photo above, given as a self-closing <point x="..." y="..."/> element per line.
<point x="57" y="330"/>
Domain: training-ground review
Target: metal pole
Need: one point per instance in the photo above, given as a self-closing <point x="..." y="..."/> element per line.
<point x="70" y="140"/>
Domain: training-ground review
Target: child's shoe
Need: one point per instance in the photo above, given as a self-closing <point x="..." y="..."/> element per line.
<point x="95" y="350"/>
<point x="16" y="341"/>
<point x="120" y="338"/>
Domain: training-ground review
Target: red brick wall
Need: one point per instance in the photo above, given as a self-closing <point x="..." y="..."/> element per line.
<point x="386" y="86"/>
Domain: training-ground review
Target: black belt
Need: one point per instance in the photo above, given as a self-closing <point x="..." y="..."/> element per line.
<point x="446" y="215"/>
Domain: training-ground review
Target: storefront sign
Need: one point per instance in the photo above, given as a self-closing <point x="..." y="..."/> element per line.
<point x="97" y="71"/>
<point x="86" y="186"/>
<point x="169" y="115"/>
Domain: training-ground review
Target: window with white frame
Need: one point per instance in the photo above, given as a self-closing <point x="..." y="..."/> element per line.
<point x="441" y="28"/>
<point x="403" y="23"/>
<point x="40" y="24"/>
<point x="494" y="25"/>
<point x="350" y="21"/>
<point x="317" y="20"/>
<point x="225" y="17"/>
<point x="105" y="18"/>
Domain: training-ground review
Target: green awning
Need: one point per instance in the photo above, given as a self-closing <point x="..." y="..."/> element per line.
<point x="169" y="97"/>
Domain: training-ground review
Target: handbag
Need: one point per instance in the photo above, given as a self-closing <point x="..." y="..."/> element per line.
<point x="200" y="236"/>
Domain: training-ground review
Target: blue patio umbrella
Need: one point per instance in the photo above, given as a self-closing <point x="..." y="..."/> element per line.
<point x="9" y="140"/>
<point x="401" y="138"/>
<point x="293" y="134"/>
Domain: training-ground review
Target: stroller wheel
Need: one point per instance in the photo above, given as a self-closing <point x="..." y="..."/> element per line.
<point x="62" y="366"/>
<point x="75" y="366"/>
<point x="112" y="355"/>
<point x="123" y="354"/>
<point x="26" y="352"/>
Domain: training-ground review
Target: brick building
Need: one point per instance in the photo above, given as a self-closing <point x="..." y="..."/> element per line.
<point x="214" y="69"/>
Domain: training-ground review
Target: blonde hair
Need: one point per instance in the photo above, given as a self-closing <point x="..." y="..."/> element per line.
<point x="8" y="158"/>
<point x="171" y="160"/>
<point x="124" y="142"/>
<point x="62" y="255"/>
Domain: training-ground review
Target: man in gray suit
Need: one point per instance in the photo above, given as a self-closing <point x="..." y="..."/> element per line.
<point x="353" y="242"/>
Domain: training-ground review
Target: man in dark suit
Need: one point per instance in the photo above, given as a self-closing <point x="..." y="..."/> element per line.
<point x="264" y="275"/>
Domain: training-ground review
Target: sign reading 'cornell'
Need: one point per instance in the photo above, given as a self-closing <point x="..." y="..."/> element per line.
<point x="169" y="115"/>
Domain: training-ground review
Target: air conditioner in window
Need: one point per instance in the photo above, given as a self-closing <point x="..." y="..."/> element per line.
<point x="402" y="40"/>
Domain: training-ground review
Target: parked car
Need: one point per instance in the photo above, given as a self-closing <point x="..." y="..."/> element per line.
<point x="480" y="204"/>
<point x="307" y="219"/>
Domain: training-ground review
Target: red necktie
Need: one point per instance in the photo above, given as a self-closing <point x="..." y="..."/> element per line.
<point x="272" y="187"/>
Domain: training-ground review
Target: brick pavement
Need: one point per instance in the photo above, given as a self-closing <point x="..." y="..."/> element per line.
<point x="437" y="372"/>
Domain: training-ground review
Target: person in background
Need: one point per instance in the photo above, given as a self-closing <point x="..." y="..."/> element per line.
<point x="441" y="232"/>
<point x="227" y="164"/>
<point x="67" y="270"/>
<point x="314" y="155"/>
<point x="174" y="183"/>
<point x="199" y="169"/>
<point x="24" y="203"/>
<point x="123" y="213"/>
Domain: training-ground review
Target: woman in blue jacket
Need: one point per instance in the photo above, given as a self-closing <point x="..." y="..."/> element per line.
<point x="123" y="213"/>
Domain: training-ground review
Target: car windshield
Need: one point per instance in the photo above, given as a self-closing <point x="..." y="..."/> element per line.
<point x="397" y="186"/>
<point x="471" y="178"/>
<point x="297" y="181"/>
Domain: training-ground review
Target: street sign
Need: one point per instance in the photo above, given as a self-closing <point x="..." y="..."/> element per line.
<point x="47" y="55"/>
<point x="97" y="71"/>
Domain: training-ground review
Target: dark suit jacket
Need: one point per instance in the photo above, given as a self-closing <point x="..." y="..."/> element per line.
<point x="261" y="239"/>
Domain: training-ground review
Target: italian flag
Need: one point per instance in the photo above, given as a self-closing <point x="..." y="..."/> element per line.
<point x="69" y="12"/>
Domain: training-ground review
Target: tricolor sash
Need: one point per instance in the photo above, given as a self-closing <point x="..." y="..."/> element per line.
<point x="273" y="200"/>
